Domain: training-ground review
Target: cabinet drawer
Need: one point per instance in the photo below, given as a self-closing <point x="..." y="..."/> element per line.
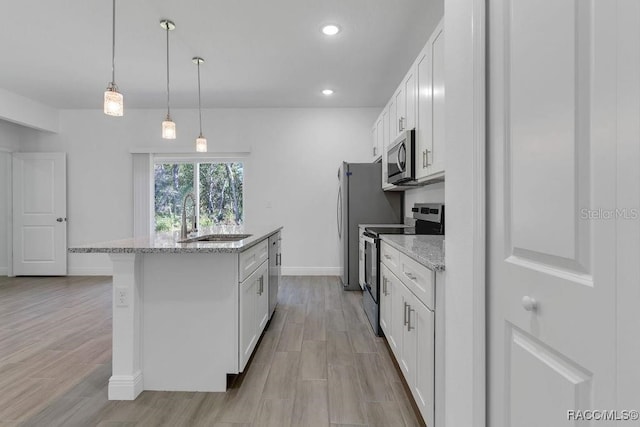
<point x="390" y="256"/>
<point x="419" y="279"/>
<point x="252" y="258"/>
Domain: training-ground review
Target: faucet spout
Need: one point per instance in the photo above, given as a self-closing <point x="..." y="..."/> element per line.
<point x="184" y="229"/>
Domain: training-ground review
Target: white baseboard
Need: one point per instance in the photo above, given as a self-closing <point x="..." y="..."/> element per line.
<point x="310" y="271"/>
<point x="125" y="387"/>
<point x="83" y="271"/>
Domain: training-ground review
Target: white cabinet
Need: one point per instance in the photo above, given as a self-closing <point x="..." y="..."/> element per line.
<point x="418" y="102"/>
<point x="377" y="137"/>
<point x="388" y="321"/>
<point x="254" y="311"/>
<point x="430" y="118"/>
<point x="408" y="322"/>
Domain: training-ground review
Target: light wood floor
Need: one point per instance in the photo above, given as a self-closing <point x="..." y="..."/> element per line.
<point x="318" y="364"/>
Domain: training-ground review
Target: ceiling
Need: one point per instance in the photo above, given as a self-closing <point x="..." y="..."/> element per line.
<point x="258" y="53"/>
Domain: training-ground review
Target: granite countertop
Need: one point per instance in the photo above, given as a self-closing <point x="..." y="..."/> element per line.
<point x="425" y="249"/>
<point x="167" y="242"/>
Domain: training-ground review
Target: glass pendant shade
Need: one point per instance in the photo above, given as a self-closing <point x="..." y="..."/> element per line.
<point x="113" y="101"/>
<point x="168" y="129"/>
<point x="201" y="144"/>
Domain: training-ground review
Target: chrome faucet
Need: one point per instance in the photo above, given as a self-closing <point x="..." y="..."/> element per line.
<point x="184" y="230"/>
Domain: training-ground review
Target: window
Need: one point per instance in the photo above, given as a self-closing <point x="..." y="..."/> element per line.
<point x="218" y="188"/>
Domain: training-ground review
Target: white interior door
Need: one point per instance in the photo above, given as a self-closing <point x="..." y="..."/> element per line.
<point x="39" y="214"/>
<point x="552" y="210"/>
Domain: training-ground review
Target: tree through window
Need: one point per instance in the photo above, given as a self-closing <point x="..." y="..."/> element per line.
<point x="218" y="187"/>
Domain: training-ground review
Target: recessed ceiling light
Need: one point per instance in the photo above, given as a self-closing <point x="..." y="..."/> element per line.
<point x="330" y="30"/>
<point x="327" y="92"/>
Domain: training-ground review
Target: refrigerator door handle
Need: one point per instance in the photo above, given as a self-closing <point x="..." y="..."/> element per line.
<point x="338" y="209"/>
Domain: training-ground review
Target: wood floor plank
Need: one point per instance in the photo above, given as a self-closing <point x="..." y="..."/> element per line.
<point x="374" y="385"/>
<point x="345" y="404"/>
<point x="383" y="414"/>
<point x="313" y="363"/>
<point x="311" y="406"/>
<point x="274" y="413"/>
<point x="240" y="404"/>
<point x="291" y="337"/>
<point x="283" y="375"/>
<point x="339" y="348"/>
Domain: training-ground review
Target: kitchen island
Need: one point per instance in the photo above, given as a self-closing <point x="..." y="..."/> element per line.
<point x="186" y="314"/>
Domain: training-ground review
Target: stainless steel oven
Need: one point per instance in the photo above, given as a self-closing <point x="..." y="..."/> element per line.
<point x="400" y="161"/>
<point x="429" y="220"/>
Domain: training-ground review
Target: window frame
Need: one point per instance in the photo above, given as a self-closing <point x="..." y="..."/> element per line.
<point x="196" y="161"/>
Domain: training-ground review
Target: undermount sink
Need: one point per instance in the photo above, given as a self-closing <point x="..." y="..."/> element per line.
<point x="216" y="238"/>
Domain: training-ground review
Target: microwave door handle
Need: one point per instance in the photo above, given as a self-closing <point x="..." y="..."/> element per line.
<point x="400" y="149"/>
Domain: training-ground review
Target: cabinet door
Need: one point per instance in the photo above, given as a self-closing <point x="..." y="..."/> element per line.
<point x="423" y="390"/>
<point x="424" y="117"/>
<point x="401" y="111"/>
<point x="374" y="142"/>
<point x="393" y="120"/>
<point x="379" y="136"/>
<point x="397" y="315"/>
<point x="248" y="333"/>
<point x="409" y="342"/>
<point x="262" y="298"/>
<point x="436" y="162"/>
<point x="409" y="121"/>
<point x="385" y="145"/>
<point x="385" y="302"/>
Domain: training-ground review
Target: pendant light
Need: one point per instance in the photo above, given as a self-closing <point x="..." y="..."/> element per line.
<point x="113" y="100"/>
<point x="201" y="141"/>
<point x="168" y="125"/>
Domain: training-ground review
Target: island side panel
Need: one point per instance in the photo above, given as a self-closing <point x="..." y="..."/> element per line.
<point x="190" y="321"/>
<point x="126" y="381"/>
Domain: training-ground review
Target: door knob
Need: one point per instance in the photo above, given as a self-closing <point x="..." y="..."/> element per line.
<point x="529" y="304"/>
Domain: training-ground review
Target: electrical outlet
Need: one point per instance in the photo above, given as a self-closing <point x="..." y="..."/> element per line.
<point x="122" y="297"/>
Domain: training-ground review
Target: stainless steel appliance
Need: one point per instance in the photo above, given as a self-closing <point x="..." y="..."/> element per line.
<point x="429" y="220"/>
<point x="401" y="166"/>
<point x="275" y="270"/>
<point x="361" y="201"/>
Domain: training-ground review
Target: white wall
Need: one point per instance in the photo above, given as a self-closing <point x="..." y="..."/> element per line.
<point x="293" y="163"/>
<point x="10" y="137"/>
<point x="24" y="111"/>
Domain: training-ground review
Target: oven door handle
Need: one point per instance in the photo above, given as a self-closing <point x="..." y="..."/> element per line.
<point x="368" y="239"/>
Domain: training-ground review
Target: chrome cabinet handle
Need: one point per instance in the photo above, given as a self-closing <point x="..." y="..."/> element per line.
<point x="405" y="313"/>
<point x="426" y="156"/>
<point x="375" y="150"/>
<point x="384" y="286"/>
<point x="387" y="257"/>
<point x="61" y="219"/>
<point x="409" y="327"/>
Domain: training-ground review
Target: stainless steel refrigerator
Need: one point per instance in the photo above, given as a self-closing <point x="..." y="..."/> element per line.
<point x="361" y="201"/>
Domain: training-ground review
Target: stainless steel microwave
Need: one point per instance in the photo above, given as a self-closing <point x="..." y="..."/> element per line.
<point x="400" y="158"/>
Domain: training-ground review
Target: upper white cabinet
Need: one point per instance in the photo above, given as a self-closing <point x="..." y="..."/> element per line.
<point x="377" y="136"/>
<point x="418" y="103"/>
<point x="430" y="118"/>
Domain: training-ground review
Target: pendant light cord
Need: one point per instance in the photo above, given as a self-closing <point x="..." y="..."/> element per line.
<point x="168" y="98"/>
<point x="199" y="98"/>
<point x="113" y="45"/>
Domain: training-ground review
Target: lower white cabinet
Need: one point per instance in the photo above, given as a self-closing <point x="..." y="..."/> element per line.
<point x="254" y="311"/>
<point x="409" y="327"/>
